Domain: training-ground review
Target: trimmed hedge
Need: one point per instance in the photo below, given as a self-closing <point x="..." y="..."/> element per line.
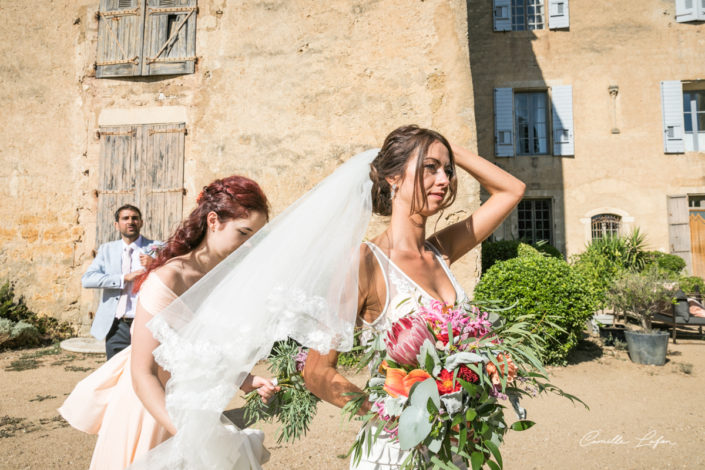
<point x="507" y="249"/>
<point x="548" y="290"/>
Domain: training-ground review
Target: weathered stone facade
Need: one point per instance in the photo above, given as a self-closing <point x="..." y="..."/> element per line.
<point x="283" y="92"/>
<point x="619" y="165"/>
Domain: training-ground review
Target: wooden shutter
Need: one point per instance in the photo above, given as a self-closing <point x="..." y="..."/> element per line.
<point x="679" y="228"/>
<point x="562" y="117"/>
<point x="504" y="122"/>
<point x="169" y="37"/>
<point x="117" y="168"/>
<point x="558" y="14"/>
<point x="161" y="178"/>
<point x="673" y="122"/>
<point x="502" y="15"/>
<point x="687" y="10"/>
<point x="120" y="26"/>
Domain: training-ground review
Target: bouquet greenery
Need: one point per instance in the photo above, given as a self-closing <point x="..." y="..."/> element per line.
<point x="440" y="376"/>
<point x="293" y="406"/>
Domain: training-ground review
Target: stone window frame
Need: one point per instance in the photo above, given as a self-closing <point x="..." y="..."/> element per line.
<point x="627" y="221"/>
<point x="605" y="225"/>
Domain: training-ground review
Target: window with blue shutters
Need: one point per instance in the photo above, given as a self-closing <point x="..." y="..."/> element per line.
<point x="523" y="126"/>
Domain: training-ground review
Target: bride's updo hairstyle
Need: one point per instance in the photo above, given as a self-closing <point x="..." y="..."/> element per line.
<point x="233" y="197"/>
<point x="398" y="149"/>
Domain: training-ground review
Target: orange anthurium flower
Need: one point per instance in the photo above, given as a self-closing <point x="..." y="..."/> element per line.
<point x="399" y="383"/>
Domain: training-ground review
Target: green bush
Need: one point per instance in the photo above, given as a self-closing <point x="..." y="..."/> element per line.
<point x="507" y="249"/>
<point x="548" y="290"/>
<point x="665" y="261"/>
<point x="691" y="284"/>
<point x="598" y="271"/>
<point x="26" y="328"/>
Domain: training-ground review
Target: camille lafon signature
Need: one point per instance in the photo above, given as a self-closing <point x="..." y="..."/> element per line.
<point x="651" y="440"/>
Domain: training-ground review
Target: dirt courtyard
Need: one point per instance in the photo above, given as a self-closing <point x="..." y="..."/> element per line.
<point x="640" y="417"/>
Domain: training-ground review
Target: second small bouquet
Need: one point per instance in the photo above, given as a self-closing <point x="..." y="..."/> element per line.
<point x="293" y="406"/>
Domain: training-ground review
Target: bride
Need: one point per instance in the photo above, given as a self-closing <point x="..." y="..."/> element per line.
<point x="413" y="178"/>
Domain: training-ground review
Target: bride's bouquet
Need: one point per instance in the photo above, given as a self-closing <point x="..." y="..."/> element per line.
<point x="440" y="378"/>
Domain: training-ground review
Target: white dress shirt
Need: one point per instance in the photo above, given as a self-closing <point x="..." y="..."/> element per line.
<point x="131" y="296"/>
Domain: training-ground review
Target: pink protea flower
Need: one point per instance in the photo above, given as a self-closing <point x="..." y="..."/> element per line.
<point x="405" y="338"/>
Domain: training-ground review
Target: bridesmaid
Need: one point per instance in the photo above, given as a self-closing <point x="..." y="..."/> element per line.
<point x="124" y="400"/>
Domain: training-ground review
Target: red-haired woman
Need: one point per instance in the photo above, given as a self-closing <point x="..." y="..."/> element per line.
<point x="124" y="400"/>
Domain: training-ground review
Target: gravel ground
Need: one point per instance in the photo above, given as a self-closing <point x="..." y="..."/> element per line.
<point x="640" y="417"/>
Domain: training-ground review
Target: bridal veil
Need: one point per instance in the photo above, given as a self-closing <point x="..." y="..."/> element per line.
<point x="297" y="278"/>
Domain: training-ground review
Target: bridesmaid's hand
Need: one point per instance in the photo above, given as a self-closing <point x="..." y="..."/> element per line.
<point x="265" y="388"/>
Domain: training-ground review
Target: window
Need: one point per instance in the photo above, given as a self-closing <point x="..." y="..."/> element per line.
<point x="522" y="125"/>
<point x="531" y="123"/>
<point x="694" y="120"/>
<point x="605" y="225"/>
<point x="527" y="14"/>
<point x="535" y="221"/>
<point x="146" y="37"/>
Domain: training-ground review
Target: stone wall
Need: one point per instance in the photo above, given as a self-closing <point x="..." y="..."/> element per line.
<point x="633" y="45"/>
<point x="283" y="92"/>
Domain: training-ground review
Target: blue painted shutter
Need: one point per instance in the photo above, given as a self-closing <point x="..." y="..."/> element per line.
<point x="687" y="10"/>
<point x="673" y="125"/>
<point x="701" y="11"/>
<point x="502" y="15"/>
<point x="562" y="117"/>
<point x="504" y="122"/>
<point x="558" y="14"/>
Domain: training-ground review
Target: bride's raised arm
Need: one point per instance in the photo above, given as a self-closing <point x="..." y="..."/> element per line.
<point x="505" y="193"/>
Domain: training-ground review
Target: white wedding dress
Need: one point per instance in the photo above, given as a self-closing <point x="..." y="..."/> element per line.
<point x="386" y="454"/>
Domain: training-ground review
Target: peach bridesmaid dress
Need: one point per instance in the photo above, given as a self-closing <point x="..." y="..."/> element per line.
<point x="105" y="403"/>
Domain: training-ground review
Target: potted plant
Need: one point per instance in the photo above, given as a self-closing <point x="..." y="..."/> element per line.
<point x="640" y="296"/>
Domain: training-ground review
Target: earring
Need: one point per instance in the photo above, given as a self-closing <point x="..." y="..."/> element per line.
<point x="393" y="191"/>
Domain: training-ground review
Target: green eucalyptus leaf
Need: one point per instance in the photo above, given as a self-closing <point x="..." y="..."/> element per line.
<point x="522" y="425"/>
<point x="421" y="392"/>
<point x="414" y="427"/>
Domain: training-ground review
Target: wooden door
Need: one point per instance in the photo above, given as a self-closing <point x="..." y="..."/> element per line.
<point x="697" y="241"/>
<point x="678" y="222"/>
<point x="142" y="165"/>
<point x="118" y="168"/>
<point x="162" y="178"/>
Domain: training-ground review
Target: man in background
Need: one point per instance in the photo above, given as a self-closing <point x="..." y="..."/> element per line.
<point x="113" y="270"/>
